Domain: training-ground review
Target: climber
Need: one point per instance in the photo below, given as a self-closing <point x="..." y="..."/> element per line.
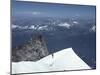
<point x="52" y="55"/>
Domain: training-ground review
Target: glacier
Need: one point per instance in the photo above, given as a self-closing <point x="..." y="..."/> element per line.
<point x="62" y="60"/>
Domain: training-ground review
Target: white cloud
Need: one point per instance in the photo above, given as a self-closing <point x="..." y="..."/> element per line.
<point x="35" y="13"/>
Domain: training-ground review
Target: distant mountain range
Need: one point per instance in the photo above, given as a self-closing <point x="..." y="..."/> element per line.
<point x="51" y="24"/>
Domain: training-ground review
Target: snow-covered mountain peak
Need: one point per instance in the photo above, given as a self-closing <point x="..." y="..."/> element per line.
<point x="67" y="25"/>
<point x="93" y="28"/>
<point x="75" y="22"/>
<point x="65" y="59"/>
<point x="14" y="26"/>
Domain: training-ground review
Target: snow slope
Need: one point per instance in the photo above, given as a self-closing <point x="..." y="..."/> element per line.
<point x="65" y="59"/>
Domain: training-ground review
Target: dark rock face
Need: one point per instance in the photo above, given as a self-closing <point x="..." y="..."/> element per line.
<point x="34" y="50"/>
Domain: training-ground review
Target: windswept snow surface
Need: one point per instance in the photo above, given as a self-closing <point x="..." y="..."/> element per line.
<point x="65" y="59"/>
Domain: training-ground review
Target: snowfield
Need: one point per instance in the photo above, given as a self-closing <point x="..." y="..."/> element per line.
<point x="65" y="59"/>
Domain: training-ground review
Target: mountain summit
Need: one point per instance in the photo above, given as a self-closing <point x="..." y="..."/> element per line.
<point x="64" y="60"/>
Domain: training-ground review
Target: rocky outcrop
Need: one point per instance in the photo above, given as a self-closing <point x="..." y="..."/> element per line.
<point x="34" y="50"/>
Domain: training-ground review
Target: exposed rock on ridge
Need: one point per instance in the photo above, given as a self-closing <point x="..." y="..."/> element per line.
<point x="34" y="50"/>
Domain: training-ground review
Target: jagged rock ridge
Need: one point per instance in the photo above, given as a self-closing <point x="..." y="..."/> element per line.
<point x="34" y="50"/>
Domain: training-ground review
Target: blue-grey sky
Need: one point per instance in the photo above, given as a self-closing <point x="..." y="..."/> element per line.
<point x="52" y="10"/>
